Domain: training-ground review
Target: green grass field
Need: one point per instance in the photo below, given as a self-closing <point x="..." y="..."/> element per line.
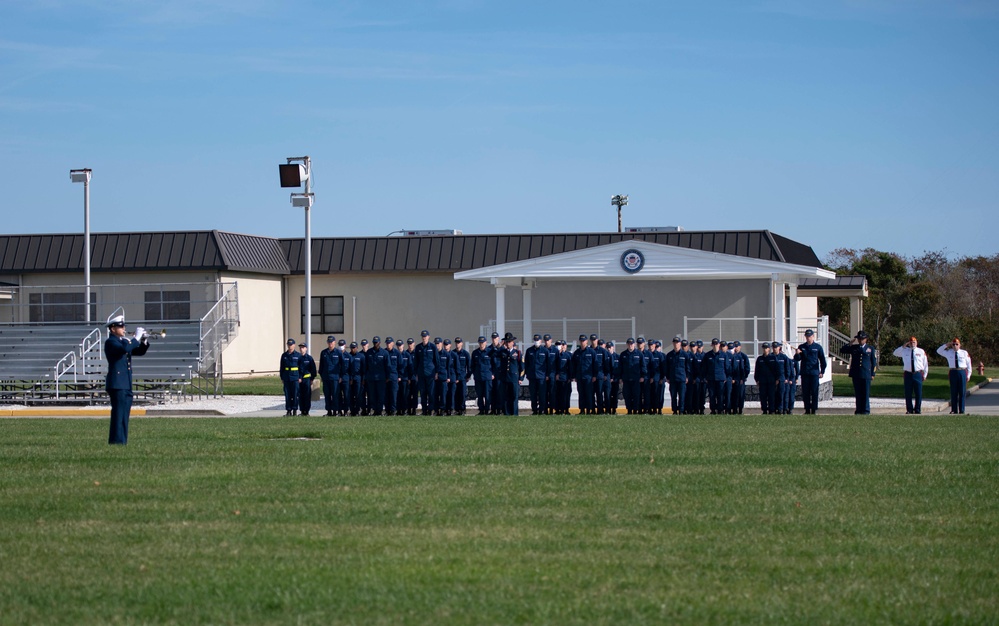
<point x="500" y="520"/>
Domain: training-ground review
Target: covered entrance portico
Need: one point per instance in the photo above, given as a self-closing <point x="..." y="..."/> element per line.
<point x="626" y="262"/>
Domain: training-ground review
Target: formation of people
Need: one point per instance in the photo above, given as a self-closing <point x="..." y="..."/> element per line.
<point x="433" y="376"/>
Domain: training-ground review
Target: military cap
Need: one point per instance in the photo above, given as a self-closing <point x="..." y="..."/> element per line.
<point x="862" y="335"/>
<point x="438" y="340"/>
<point x="482" y="339"/>
<point x="715" y="341"/>
<point x="657" y="343"/>
<point x="684" y="342"/>
<point x="342" y="342"/>
<point x="389" y="340"/>
<point x="447" y="342"/>
<point x="547" y="337"/>
<point x="117" y="320"/>
<point x="600" y="342"/>
<point x="410" y="341"/>
<point x="509" y="337"/>
<point x="730" y="345"/>
<point x="425" y="333"/>
<point x="610" y="344"/>
<point x="364" y="342"/>
<point x="582" y="337"/>
<point x="376" y="339"/>
<point x="458" y="340"/>
<point x="737" y="343"/>
<point x="593" y="337"/>
<point x="537" y="337"/>
<point x="641" y="340"/>
<point x="775" y="344"/>
<point x="301" y="345"/>
<point x="676" y="339"/>
<point x="809" y="332"/>
<point x="398" y="342"/>
<point x="631" y="340"/>
<point x="700" y="344"/>
<point x="290" y="342"/>
<point x="495" y="335"/>
<point x="330" y="339"/>
<point x="353" y="344"/>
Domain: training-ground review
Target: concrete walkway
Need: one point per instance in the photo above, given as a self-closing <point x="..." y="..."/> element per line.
<point x="982" y="400"/>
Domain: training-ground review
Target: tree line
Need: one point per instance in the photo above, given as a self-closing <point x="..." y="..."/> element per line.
<point x="931" y="296"/>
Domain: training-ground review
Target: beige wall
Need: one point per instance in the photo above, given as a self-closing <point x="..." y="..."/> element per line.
<point x="404" y="304"/>
<point x="260" y="342"/>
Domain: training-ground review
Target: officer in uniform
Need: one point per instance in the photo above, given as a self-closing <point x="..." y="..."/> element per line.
<point x="613" y="377"/>
<point x="290" y="377"/>
<point x="775" y="366"/>
<point x="863" y="367"/>
<point x="700" y="382"/>
<point x="915" y="369"/>
<point x="959" y="362"/>
<point x="677" y="364"/>
<point x="343" y="401"/>
<point x="740" y="374"/>
<point x="118" y="383"/>
<point x="511" y="372"/>
<point x="414" y="377"/>
<point x="463" y="372"/>
<point x="763" y="375"/>
<point x="355" y="378"/>
<point x="375" y="375"/>
<point x="307" y="369"/>
<point x="601" y="386"/>
<point x="329" y="371"/>
<point x="552" y="351"/>
<point x="632" y="377"/>
<point x="714" y="373"/>
<point x="482" y="372"/>
<point x="563" y="378"/>
<point x="448" y="358"/>
<point x="536" y="366"/>
<point x="394" y="367"/>
<point x="426" y="371"/>
<point x="365" y="402"/>
<point x="497" y="401"/>
<point x="584" y="373"/>
<point x="812" y="363"/>
<point x="440" y="377"/>
<point x="791" y="373"/>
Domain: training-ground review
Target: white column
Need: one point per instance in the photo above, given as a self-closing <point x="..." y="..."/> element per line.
<point x="778" y="308"/>
<point x="500" y="307"/>
<point x="792" y="314"/>
<point x="526" y="287"/>
<point x="856" y="315"/>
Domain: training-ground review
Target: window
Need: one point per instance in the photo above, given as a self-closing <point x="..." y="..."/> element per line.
<point x="60" y="307"/>
<point x="327" y="314"/>
<point x="168" y="305"/>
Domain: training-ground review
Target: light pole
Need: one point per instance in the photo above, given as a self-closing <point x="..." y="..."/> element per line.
<point x="83" y="176"/>
<point x="297" y="171"/>
<point x="619" y="201"/>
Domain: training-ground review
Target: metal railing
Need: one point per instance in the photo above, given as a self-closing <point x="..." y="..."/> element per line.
<point x="615" y="329"/>
<point x="218" y="327"/>
<point x="75" y="359"/>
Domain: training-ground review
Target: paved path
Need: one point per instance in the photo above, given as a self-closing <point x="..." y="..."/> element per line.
<point x="985" y="401"/>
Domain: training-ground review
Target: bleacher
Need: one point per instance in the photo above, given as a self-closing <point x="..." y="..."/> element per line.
<point x="29" y="354"/>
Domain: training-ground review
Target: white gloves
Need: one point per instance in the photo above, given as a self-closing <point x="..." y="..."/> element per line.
<point x="140" y="333"/>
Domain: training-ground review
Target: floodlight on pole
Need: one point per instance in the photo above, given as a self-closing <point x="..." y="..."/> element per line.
<point x="619" y="201"/>
<point x="83" y="176"/>
<point x="296" y="172"/>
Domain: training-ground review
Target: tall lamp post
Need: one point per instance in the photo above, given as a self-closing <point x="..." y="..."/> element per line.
<point x="83" y="176"/>
<point x="296" y="172"/>
<point x="619" y="201"/>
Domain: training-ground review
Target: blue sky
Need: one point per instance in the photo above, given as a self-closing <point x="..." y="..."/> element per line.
<point x="837" y="123"/>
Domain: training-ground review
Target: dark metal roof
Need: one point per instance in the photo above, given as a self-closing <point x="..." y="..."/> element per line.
<point x="185" y="250"/>
<point x="465" y="252"/>
<point x="840" y="282"/>
<point x="216" y="250"/>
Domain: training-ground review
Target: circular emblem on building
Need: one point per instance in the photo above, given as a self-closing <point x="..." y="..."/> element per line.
<point x="632" y="261"/>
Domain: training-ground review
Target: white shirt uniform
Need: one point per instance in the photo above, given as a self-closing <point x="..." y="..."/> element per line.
<point x="960" y="359"/>
<point x="909" y="359"/>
